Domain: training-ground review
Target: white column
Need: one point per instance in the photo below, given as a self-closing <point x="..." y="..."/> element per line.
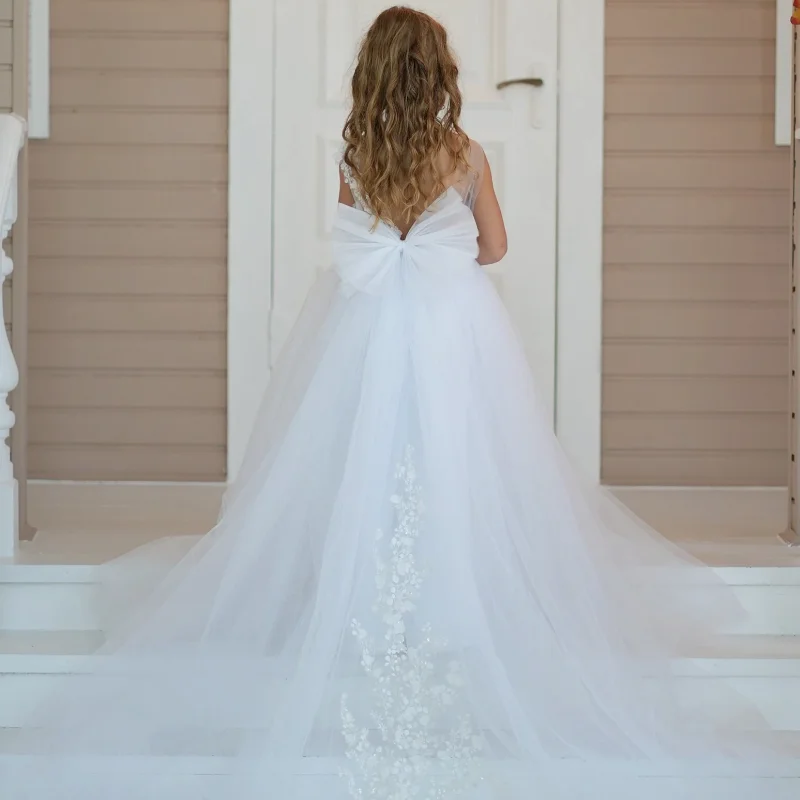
<point x="12" y="137"/>
<point x="579" y="369"/>
<point x="784" y="73"/>
<point x="249" y="214"/>
<point x="791" y="535"/>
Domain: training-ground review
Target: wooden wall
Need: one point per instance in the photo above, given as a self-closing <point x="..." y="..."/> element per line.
<point x="697" y="257"/>
<point x="128" y="245"/>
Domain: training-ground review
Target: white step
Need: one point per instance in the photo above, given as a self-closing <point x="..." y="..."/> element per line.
<point x="185" y="778"/>
<point x="770" y="596"/>
<point x="66" y="597"/>
<point x="765" y="669"/>
<point x="49" y="597"/>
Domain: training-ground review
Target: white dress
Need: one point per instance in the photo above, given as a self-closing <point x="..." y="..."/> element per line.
<point x="409" y="594"/>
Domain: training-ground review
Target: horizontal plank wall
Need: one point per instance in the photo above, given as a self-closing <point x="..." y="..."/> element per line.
<point x="128" y="245"/>
<point x="7" y="8"/>
<point x="696" y="263"/>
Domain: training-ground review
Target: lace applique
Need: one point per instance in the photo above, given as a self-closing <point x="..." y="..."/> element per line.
<point x="350" y="180"/>
<point x="407" y="752"/>
<point x="348" y="174"/>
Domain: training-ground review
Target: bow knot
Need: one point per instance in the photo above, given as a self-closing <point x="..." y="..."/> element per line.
<point x="441" y="244"/>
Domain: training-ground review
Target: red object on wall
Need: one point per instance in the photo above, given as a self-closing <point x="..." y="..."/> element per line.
<point x="796" y="13"/>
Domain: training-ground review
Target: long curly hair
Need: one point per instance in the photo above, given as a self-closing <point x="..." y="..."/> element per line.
<point x="405" y="115"/>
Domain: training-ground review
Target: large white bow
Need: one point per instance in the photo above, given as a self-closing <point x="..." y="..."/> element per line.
<point x="442" y="241"/>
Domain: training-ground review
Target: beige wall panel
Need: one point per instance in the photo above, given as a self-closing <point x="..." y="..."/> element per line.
<point x="697" y="208"/>
<point x="691" y="59"/>
<point x="711" y="134"/>
<point x="132" y="203"/>
<point x="133" y="91"/>
<point x="141" y="276"/>
<point x="694" y="282"/>
<point x="690" y="432"/>
<point x="123" y="17"/>
<point x="690" y="468"/>
<point x="696" y="256"/>
<point x="700" y="96"/>
<point x="6" y="88"/>
<point x="625" y="245"/>
<point x="167" y="164"/>
<point x="196" y="351"/>
<point x="133" y="389"/>
<point x="6" y="44"/>
<point x="136" y="128"/>
<point x="109" y="426"/>
<point x="695" y="170"/>
<point x="689" y="320"/>
<point x="128" y="462"/>
<point x="133" y="313"/>
<point x="642" y="358"/>
<point x="706" y="21"/>
<point x="138" y="51"/>
<point x="128" y="244"/>
<point x="143" y="240"/>
<point x="695" y="394"/>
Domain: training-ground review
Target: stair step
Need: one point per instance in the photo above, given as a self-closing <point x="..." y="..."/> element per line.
<point x="730" y="655"/>
<point x="184" y="778"/>
<point x="765" y="669"/>
<point x="53" y="596"/>
<point x="743" y="656"/>
<point x="20" y="644"/>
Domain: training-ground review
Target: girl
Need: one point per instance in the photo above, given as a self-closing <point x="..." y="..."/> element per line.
<point x="409" y="594"/>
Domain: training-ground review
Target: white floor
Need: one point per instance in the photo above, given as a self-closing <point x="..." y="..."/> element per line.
<point x="50" y="620"/>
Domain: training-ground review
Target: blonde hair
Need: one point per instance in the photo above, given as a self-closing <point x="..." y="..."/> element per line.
<point x="405" y="115"/>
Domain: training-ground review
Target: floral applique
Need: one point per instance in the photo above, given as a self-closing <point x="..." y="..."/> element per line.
<point x="403" y="754"/>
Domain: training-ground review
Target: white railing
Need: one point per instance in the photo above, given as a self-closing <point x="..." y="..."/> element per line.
<point x="12" y="139"/>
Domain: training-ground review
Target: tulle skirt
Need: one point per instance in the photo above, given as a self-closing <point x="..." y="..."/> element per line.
<point x="409" y="594"/>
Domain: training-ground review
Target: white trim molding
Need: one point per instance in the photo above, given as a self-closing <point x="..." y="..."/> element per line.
<point x="39" y="69"/>
<point x="784" y="68"/>
<point x="252" y="25"/>
<point x="579" y="335"/>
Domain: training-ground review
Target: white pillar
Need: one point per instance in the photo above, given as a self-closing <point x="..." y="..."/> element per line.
<point x="12" y="137"/>
<point x="791" y="535"/>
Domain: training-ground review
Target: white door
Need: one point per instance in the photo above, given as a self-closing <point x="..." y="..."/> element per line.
<point x="496" y="41"/>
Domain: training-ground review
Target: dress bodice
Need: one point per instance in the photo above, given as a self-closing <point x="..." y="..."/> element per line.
<point x="466" y="185"/>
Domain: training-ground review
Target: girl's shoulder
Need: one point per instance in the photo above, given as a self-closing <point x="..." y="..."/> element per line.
<point x="469" y="184"/>
<point x="476" y="153"/>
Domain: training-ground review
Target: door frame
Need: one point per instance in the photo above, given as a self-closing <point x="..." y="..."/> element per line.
<point x="580" y="224"/>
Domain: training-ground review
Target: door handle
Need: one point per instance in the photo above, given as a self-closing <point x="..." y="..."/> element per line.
<point x="536" y="82"/>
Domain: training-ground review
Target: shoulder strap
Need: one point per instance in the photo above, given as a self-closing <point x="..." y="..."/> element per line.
<point x="350" y="180"/>
<point x="477" y="164"/>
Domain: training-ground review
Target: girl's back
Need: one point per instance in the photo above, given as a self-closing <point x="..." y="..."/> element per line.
<point x="404" y="144"/>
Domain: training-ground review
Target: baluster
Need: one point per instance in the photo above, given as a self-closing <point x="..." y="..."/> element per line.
<point x="9" y="377"/>
<point x="12" y="138"/>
